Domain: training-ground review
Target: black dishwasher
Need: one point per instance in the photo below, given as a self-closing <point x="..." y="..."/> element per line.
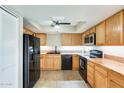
<point x="66" y="62"/>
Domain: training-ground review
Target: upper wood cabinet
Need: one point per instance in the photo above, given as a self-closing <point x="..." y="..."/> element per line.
<point x="71" y="39"/>
<point x="100" y="34"/>
<point x="76" y="39"/>
<point x="28" y="31"/>
<point x="43" y="38"/>
<point x="83" y="38"/>
<point x="66" y="39"/>
<point x="92" y="30"/>
<point x="87" y="32"/>
<point x="114" y="29"/>
<point x="110" y="31"/>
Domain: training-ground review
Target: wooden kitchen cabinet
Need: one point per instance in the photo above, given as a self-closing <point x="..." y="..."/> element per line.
<point x="66" y="39"/>
<point x="43" y="38"/>
<point x="87" y="32"/>
<point x="50" y="62"/>
<point x="71" y="39"/>
<point x="114" y="29"/>
<point x="100" y="34"/>
<point x="75" y="62"/>
<point x="28" y="31"/>
<point x="76" y="39"/>
<point x="101" y="77"/>
<point x="90" y="73"/>
<point x="42" y="62"/>
<point x="83" y="38"/>
<point x="57" y="62"/>
<point x="115" y="80"/>
<point x="92" y="30"/>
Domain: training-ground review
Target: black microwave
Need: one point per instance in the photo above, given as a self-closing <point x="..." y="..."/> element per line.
<point x="90" y="39"/>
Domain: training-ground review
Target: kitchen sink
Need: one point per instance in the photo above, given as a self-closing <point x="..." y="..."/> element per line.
<point x="53" y="52"/>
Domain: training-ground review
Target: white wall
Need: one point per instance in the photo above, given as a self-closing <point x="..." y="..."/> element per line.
<point x="53" y="40"/>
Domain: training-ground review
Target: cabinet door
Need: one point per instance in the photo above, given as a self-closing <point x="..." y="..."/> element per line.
<point x="49" y="62"/>
<point x="92" y="30"/>
<point x="42" y="38"/>
<point x="90" y="74"/>
<point x="83" y="38"/>
<point x="57" y="62"/>
<point x="76" y="39"/>
<point x="114" y="85"/>
<point x="42" y="62"/>
<point x="75" y="62"/>
<point x="100" y="34"/>
<point x="27" y="31"/>
<point x="114" y="30"/>
<point x="87" y="32"/>
<point x="66" y="39"/>
<point x="100" y="80"/>
<point x="116" y="80"/>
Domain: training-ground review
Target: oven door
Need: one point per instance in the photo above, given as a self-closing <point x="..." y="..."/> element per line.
<point x="82" y="64"/>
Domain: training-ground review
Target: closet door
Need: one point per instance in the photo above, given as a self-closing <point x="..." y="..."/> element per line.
<point x="8" y="50"/>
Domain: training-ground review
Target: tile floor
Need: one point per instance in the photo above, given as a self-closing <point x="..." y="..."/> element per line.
<point x="61" y="79"/>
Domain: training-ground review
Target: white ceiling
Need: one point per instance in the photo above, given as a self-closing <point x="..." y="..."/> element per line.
<point x="37" y="17"/>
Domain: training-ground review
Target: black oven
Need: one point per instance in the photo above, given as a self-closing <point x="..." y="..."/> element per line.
<point x="83" y="68"/>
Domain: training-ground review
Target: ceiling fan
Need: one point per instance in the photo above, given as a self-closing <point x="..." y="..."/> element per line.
<point x="58" y="23"/>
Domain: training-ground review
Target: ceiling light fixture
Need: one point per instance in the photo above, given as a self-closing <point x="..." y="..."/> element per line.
<point x="57" y="26"/>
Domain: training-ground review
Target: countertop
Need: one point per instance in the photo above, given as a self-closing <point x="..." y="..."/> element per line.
<point x="109" y="64"/>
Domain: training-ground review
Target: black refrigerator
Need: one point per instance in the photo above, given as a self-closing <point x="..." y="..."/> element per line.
<point x="31" y="60"/>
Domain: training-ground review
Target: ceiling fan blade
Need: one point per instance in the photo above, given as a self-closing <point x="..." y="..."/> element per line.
<point x="65" y="23"/>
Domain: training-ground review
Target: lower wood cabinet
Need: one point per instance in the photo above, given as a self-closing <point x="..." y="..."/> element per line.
<point x="115" y="80"/>
<point x="50" y="62"/>
<point x="90" y="73"/>
<point x="101" y="77"/>
<point x="100" y="80"/>
<point x="42" y="61"/>
<point x="75" y="62"/>
<point x="56" y="62"/>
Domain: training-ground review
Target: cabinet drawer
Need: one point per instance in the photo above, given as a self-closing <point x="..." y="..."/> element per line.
<point x="117" y="78"/>
<point x="90" y="63"/>
<point x="114" y="85"/>
<point x="101" y="70"/>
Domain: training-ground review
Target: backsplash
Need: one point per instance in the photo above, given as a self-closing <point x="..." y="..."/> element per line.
<point x="111" y="50"/>
<point x="84" y="50"/>
<point x="81" y="50"/>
